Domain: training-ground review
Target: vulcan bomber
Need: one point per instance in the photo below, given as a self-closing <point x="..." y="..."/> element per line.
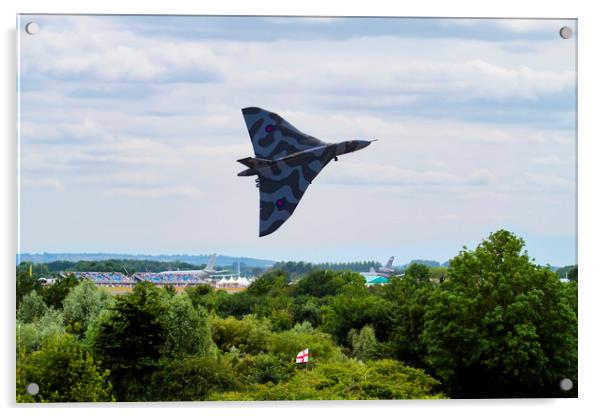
<point x="286" y="162"/>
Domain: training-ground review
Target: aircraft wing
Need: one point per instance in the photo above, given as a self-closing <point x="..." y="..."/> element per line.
<point x="282" y="186"/>
<point x="273" y="137"/>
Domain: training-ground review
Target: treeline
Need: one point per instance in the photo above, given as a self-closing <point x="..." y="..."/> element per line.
<point x="165" y="258"/>
<point x="429" y="263"/>
<point x="568" y="272"/>
<point x="113" y="265"/>
<point x="496" y="326"/>
<point x="295" y="269"/>
<point x="127" y="266"/>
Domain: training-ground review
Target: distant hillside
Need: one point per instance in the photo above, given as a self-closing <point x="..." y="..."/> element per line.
<point x="187" y="258"/>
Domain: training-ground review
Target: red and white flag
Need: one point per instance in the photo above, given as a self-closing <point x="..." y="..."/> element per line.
<point x="303" y="356"/>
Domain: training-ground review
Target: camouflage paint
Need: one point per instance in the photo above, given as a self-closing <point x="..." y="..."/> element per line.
<point x="286" y="162"/>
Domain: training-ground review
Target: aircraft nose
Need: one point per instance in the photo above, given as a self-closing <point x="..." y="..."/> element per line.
<point x="362" y="143"/>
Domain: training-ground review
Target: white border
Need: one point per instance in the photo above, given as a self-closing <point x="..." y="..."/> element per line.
<point x="589" y="200"/>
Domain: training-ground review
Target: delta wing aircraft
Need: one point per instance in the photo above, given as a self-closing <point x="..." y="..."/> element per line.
<point x="286" y="162"/>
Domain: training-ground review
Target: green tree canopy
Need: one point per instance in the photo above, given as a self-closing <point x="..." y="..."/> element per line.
<point x="418" y="272"/>
<point x="83" y="304"/>
<point x="249" y="335"/>
<point x="191" y="379"/>
<point x="346" y="380"/>
<point x="64" y="372"/>
<point x="354" y="308"/>
<point x="321" y="283"/>
<point x="500" y="326"/>
<point x="130" y="338"/>
<point x="30" y="336"/>
<point x="271" y="283"/>
<point x="364" y="343"/>
<point x="188" y="330"/>
<point x="285" y="345"/>
<point x="31" y="308"/>
<point x="55" y="293"/>
<point x="26" y="282"/>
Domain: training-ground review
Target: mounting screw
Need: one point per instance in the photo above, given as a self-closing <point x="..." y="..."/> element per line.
<point x="566" y="32"/>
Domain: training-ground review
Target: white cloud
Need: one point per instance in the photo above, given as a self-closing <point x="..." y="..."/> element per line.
<point x="156" y="192"/>
<point x="550" y="181"/>
<point x="97" y="48"/>
<point x="352" y="173"/>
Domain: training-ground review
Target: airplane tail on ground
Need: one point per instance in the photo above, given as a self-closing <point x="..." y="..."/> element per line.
<point x="390" y="262"/>
<point x="211" y="263"/>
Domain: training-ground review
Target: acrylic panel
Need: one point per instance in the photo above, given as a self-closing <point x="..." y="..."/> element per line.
<point x="295" y="208"/>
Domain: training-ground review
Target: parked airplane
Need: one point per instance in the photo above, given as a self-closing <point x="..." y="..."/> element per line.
<point x="286" y="162"/>
<point x="208" y="271"/>
<point x="386" y="271"/>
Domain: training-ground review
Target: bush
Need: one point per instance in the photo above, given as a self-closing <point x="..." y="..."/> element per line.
<point x="346" y="380"/>
<point x="249" y="335"/>
<point x="191" y="378"/>
<point x="64" y="372"/>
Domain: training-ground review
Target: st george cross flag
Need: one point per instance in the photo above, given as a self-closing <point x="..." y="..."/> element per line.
<point x="303" y="356"/>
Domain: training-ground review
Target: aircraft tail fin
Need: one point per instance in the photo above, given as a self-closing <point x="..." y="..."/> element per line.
<point x="390" y="262"/>
<point x="254" y="165"/>
<point x="211" y="262"/>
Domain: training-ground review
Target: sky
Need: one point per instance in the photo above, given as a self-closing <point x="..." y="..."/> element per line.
<point x="130" y="128"/>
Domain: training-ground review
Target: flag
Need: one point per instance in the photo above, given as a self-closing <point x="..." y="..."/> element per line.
<point x="303" y="356"/>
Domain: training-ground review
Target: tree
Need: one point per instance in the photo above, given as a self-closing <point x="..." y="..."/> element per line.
<point x="26" y="283"/>
<point x="307" y="309"/>
<point x="55" y="293"/>
<point x="129" y="339"/>
<point x="30" y="336"/>
<point x="321" y="283"/>
<point x="354" y="308"/>
<point x="188" y="331"/>
<point x="572" y="274"/>
<point x="500" y="326"/>
<point x="364" y="343"/>
<point x="31" y="308"/>
<point x="418" y="272"/>
<point x="249" y="335"/>
<point x="83" y="304"/>
<point x="202" y="295"/>
<point x="269" y="283"/>
<point x="407" y="299"/>
<point x="64" y="372"/>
